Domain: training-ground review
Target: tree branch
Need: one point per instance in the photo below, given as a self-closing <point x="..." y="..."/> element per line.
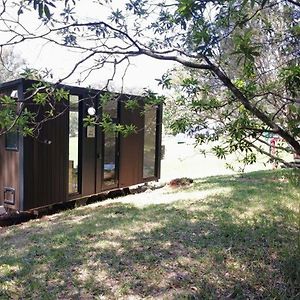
<point x="247" y="104"/>
<point x="289" y="165"/>
<point x="294" y="2"/>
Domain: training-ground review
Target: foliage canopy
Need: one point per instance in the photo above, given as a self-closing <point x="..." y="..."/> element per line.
<point x="239" y="74"/>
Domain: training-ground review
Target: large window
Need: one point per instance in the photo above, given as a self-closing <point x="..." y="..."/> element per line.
<point x="73" y="145"/>
<point x="149" y="142"/>
<point x="110" y="146"/>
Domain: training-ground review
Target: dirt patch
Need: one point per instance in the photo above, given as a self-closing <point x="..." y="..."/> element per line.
<point x="180" y="182"/>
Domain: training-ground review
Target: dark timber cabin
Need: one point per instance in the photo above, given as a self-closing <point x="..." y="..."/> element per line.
<point x="68" y="161"/>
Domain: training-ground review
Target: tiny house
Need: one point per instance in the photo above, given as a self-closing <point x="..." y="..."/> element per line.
<point x="66" y="160"/>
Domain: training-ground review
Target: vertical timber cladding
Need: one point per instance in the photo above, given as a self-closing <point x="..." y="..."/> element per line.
<point x="45" y="161"/>
<point x="10" y="165"/>
<point x="45" y="165"/>
<point x="9" y="175"/>
<point x="47" y="158"/>
<point x="88" y="150"/>
<point x="131" y="147"/>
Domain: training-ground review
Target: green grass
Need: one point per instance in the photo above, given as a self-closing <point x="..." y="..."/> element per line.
<point x="225" y="237"/>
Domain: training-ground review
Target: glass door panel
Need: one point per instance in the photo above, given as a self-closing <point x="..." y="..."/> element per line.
<point x="73" y="145"/>
<point x="110" y="148"/>
<point x="150" y="142"/>
<point x="109" y="160"/>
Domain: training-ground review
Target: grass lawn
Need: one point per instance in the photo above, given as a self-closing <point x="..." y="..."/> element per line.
<point x="225" y="237"/>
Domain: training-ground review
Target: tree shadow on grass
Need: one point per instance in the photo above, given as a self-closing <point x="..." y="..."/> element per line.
<point x="224" y="246"/>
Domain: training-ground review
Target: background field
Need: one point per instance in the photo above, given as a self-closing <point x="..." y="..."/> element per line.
<point x="184" y="160"/>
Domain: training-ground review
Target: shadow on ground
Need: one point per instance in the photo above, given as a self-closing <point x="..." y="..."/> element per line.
<point x="237" y="243"/>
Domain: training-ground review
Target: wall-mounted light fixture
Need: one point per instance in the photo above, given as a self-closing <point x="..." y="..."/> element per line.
<point x="91" y="111"/>
<point x="14" y="94"/>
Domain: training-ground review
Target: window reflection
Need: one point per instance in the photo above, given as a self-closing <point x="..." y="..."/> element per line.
<point x="110" y="146"/>
<point x="110" y="108"/>
<point x="109" y="168"/>
<point x="73" y="144"/>
<point x="149" y="142"/>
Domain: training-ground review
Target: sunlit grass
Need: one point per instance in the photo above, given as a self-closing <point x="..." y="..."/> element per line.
<point x="225" y="236"/>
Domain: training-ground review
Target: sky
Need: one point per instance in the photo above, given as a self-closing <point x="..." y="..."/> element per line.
<point x="39" y="55"/>
<point x="141" y="74"/>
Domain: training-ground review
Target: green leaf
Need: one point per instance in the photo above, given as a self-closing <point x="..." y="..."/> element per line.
<point x="47" y="12"/>
<point x="35" y="4"/>
<point x="132" y="104"/>
<point x="41" y="10"/>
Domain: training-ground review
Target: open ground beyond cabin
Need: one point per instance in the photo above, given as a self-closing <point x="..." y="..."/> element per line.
<point x="226" y="237"/>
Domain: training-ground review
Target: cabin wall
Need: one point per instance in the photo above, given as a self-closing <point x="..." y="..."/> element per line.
<point x="10" y="160"/>
<point x="88" y="153"/>
<point x="131" y="148"/>
<point x="88" y="164"/>
<point x="45" y="165"/>
<point x="9" y="173"/>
